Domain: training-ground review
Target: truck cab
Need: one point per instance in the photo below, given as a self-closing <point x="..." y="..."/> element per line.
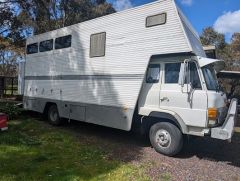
<point x="181" y="96"/>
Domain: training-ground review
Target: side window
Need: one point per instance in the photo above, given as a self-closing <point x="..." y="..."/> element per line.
<point x="155" y="20"/>
<point x="153" y="73"/>
<point x="32" y="48"/>
<point x="46" y="45"/>
<point x="194" y="76"/>
<point x="63" y="42"/>
<point x="172" y="71"/>
<point x="97" y="45"/>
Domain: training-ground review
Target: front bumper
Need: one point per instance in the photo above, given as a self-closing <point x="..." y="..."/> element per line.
<point x="225" y="132"/>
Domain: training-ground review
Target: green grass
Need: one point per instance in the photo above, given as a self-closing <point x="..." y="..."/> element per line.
<point x="237" y="129"/>
<point x="32" y="150"/>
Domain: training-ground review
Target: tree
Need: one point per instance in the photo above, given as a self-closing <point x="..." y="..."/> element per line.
<point x="230" y="52"/>
<point x="20" y="19"/>
<point x="235" y="63"/>
<point x="47" y="15"/>
<point x="39" y="16"/>
<point x="211" y="37"/>
<point x="11" y="40"/>
<point x="10" y="27"/>
<point x="235" y="46"/>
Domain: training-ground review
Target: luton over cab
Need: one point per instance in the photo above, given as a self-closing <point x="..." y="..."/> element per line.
<point x="140" y="69"/>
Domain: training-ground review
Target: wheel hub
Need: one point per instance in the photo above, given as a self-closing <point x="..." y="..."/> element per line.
<point x="163" y="138"/>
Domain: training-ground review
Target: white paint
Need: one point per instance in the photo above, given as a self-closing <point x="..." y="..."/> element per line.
<point x="129" y="47"/>
<point x="172" y="97"/>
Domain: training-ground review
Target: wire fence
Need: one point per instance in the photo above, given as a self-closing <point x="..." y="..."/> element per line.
<point x="8" y="86"/>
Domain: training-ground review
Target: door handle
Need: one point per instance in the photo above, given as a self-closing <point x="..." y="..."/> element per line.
<point x="164" y="99"/>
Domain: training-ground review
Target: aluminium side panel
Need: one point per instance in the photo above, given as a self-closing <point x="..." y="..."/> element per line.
<point x="108" y="86"/>
<point x="191" y="35"/>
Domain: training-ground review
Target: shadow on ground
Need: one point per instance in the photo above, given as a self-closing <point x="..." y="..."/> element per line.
<point x="214" y="150"/>
<point x="121" y="145"/>
<point x="31" y="149"/>
<point x="128" y="146"/>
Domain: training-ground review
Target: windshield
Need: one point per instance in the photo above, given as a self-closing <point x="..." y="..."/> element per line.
<point x="210" y="78"/>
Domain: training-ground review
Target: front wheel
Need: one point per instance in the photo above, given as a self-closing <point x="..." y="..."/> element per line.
<point x="166" y="138"/>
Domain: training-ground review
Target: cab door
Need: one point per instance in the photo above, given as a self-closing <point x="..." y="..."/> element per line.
<point x="188" y="102"/>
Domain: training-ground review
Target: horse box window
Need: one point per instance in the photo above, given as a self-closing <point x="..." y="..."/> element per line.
<point x="46" y="46"/>
<point x="63" y="42"/>
<point x="32" y="48"/>
<point x="97" y="45"/>
<point x="155" y="20"/>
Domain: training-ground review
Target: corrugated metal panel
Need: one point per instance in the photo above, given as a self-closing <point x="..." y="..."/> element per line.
<point x="110" y="92"/>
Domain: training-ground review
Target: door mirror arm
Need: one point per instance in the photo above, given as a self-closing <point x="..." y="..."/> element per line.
<point x="183" y="72"/>
<point x="190" y="93"/>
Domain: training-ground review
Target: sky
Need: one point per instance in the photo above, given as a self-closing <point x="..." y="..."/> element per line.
<point x="222" y="15"/>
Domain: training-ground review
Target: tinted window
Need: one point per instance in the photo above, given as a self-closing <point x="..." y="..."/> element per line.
<point x="194" y="77"/>
<point x="155" y="20"/>
<point x="97" y="45"/>
<point x="153" y="73"/>
<point x="32" y="48"/>
<point x="46" y="45"/>
<point x="172" y="73"/>
<point x="63" y="42"/>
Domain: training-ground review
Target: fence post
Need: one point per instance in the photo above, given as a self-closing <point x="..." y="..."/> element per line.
<point x="4" y="85"/>
<point x="12" y="85"/>
<point x="1" y="87"/>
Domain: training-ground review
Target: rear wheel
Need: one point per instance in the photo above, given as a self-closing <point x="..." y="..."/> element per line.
<point x="166" y="138"/>
<point x="53" y="115"/>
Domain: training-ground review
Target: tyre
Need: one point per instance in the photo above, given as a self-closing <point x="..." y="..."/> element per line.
<point x="166" y="138"/>
<point x="53" y="115"/>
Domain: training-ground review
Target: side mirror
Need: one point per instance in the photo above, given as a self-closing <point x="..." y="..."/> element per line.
<point x="183" y="73"/>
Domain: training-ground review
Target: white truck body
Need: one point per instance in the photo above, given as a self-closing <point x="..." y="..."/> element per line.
<point x="109" y="86"/>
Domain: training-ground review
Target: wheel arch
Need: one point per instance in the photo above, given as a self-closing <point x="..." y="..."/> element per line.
<point x="47" y="106"/>
<point x="155" y="117"/>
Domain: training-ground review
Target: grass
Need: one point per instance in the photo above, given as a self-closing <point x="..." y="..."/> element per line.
<point x="32" y="150"/>
<point x="237" y="129"/>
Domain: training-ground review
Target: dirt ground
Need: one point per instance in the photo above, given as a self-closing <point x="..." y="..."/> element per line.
<point x="201" y="158"/>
